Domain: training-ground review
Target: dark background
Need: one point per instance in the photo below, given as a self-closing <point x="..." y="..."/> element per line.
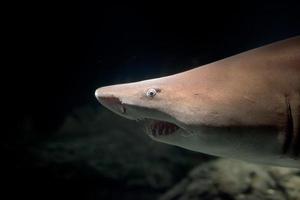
<point x="71" y="49"/>
<point x="63" y="51"/>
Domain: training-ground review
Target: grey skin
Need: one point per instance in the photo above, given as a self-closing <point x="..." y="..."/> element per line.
<point x="244" y="107"/>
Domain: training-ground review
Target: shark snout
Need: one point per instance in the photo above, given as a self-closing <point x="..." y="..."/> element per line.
<point x="109" y="101"/>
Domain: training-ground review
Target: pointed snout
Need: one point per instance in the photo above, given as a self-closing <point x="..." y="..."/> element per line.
<point x="109" y="101"/>
<point x="105" y="98"/>
<point x="99" y="94"/>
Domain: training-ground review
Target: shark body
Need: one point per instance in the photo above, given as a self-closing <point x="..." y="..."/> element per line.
<point x="245" y="107"/>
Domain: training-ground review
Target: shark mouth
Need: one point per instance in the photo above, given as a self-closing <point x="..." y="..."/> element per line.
<point x="157" y="128"/>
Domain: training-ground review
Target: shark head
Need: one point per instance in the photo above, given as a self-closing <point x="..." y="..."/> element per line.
<point x="158" y="103"/>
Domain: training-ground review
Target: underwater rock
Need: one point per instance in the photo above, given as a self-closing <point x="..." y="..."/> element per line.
<point x="230" y="179"/>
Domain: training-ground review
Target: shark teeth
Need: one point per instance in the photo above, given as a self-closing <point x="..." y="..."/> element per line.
<point x="160" y="128"/>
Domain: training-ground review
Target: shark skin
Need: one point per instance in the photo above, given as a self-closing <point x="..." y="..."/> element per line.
<point x="245" y="107"/>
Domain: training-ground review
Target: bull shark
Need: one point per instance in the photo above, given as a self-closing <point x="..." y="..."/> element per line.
<point x="244" y="107"/>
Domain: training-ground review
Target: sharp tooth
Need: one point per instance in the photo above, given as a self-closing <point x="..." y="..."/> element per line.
<point x="146" y="130"/>
<point x="152" y="126"/>
<point x="122" y="109"/>
<point x="168" y="130"/>
<point x="172" y="129"/>
<point x="160" y="130"/>
<point x="153" y="132"/>
<point x="165" y="131"/>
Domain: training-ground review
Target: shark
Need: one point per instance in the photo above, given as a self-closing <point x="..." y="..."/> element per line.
<point x="245" y="107"/>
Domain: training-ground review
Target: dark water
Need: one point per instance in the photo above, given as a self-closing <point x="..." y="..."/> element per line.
<point x="62" y="144"/>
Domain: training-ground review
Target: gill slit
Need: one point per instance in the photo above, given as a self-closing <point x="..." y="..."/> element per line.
<point x="289" y="133"/>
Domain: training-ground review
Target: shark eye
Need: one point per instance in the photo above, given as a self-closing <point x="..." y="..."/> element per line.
<point x="151" y="92"/>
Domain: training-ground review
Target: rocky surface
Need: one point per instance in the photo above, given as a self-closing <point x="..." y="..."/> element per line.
<point x="236" y="180"/>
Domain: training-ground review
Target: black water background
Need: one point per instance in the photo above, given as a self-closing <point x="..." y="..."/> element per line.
<point x="63" y="51"/>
